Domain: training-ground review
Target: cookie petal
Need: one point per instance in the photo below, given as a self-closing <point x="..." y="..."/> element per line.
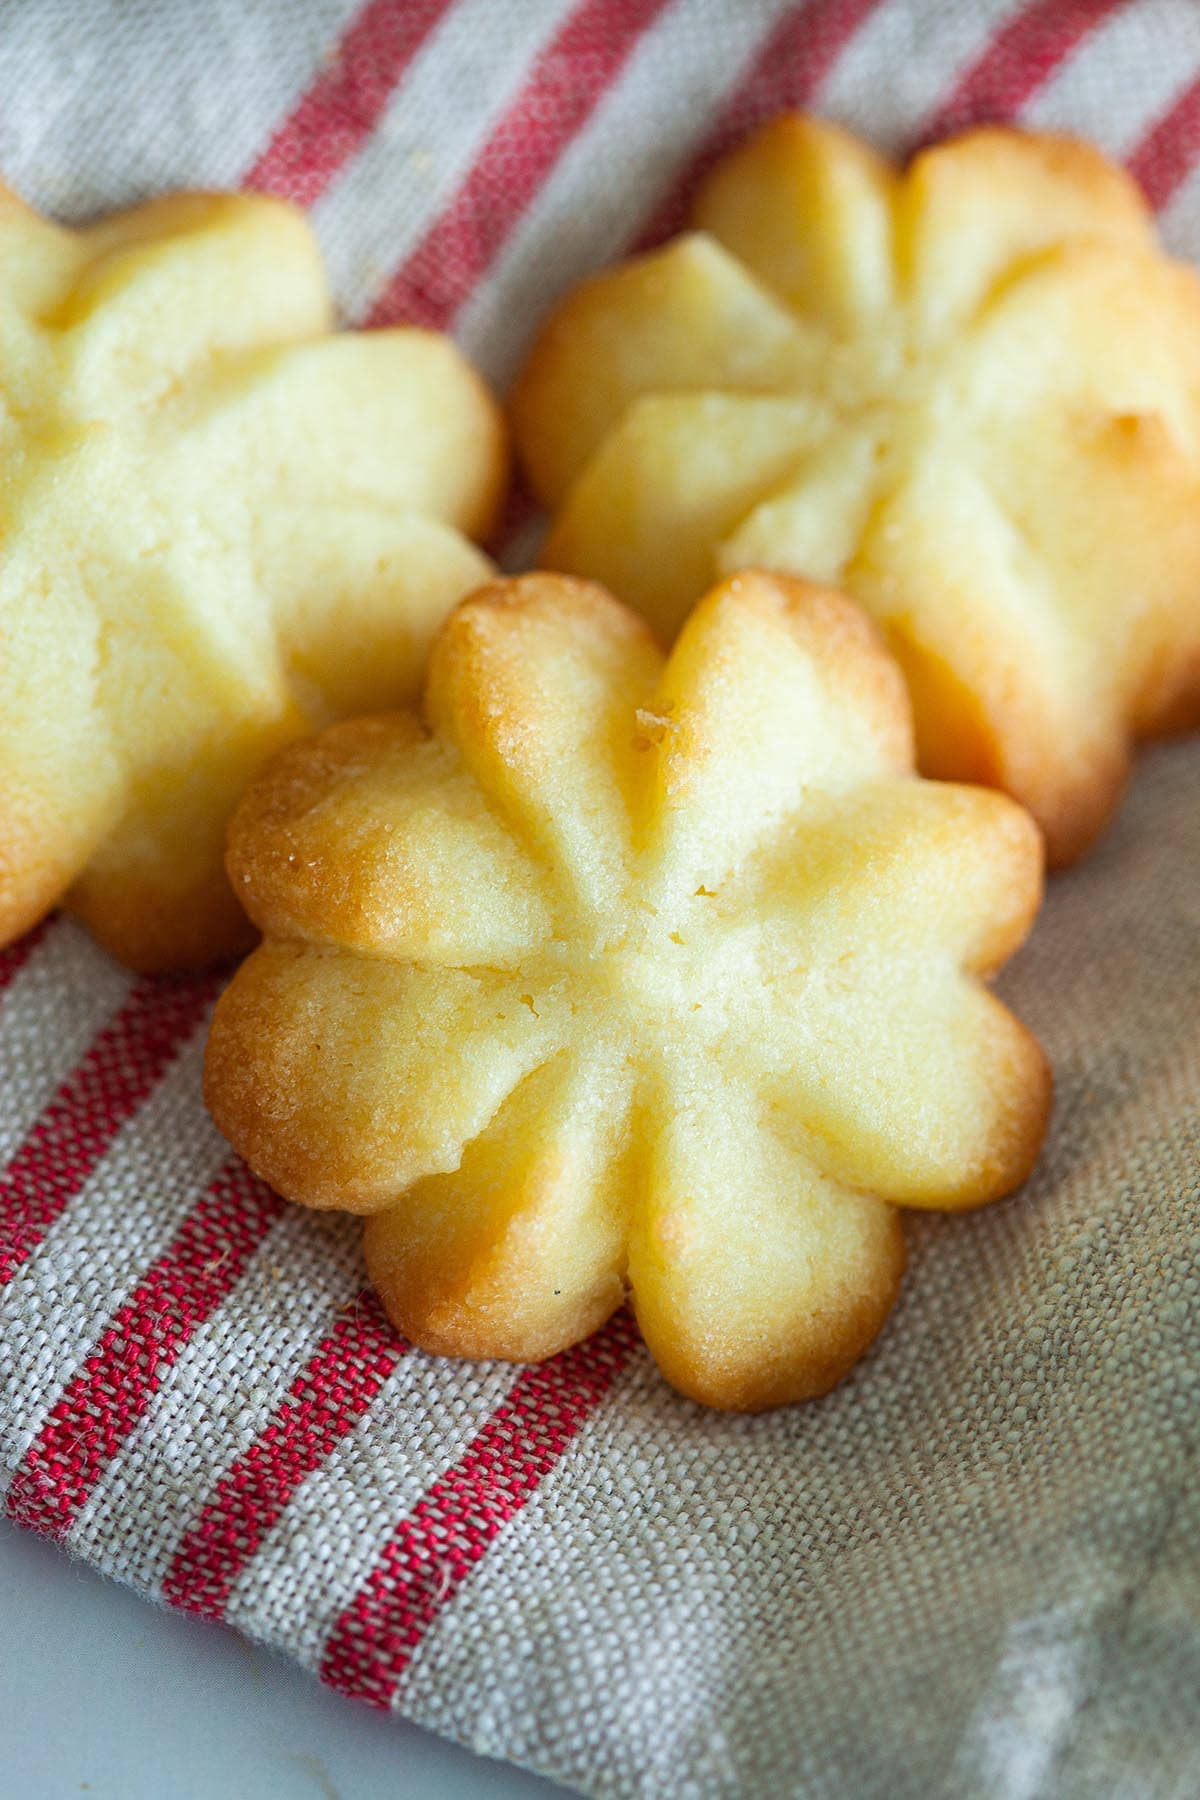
<point x="809" y="209"/>
<point x="1004" y="691"/>
<point x="179" y="283"/>
<point x="676" y="476"/>
<point x="685" y="318"/>
<point x="973" y="209"/>
<point x="373" y="837"/>
<point x="154" y="891"/>
<point x="394" y="419"/>
<point x="61" y="780"/>
<point x="902" y="1077"/>
<point x="343" y="1079"/>
<point x="1065" y="339"/>
<point x="897" y="866"/>
<point x="1106" y="483"/>
<point x="816" y="521"/>
<point x="755" y="1280"/>
<point x="396" y="575"/>
<point x="521" y="1250"/>
<point x="777" y="692"/>
<point x="536" y="683"/>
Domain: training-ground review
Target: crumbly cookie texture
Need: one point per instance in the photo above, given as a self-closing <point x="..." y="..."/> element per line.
<point x="223" y="525"/>
<point x="968" y="393"/>
<point x="623" y="976"/>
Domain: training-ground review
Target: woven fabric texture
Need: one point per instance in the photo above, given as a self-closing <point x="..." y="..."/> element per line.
<point x="973" y="1570"/>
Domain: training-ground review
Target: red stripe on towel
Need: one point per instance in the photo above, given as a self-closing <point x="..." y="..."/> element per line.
<point x="435" y="1548"/>
<point x="323" y="1405"/>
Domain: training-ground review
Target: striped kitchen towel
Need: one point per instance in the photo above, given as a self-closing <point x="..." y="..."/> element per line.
<point x="971" y="1571"/>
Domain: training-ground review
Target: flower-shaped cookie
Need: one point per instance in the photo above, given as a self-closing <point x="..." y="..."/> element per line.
<point x="623" y="976"/>
<point x="222" y="525"/>
<point x="969" y="394"/>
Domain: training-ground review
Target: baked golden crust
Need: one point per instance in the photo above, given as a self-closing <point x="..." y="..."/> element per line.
<point x="623" y="974"/>
<point x="223" y="526"/>
<point x="968" y="394"/>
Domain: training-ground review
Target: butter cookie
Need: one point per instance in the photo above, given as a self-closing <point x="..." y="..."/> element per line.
<point x="622" y="976"/>
<point x="223" y="526"/>
<point x="968" y="394"/>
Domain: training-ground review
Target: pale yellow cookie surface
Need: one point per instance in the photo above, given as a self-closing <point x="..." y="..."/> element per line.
<point x="968" y="393"/>
<point x="622" y="975"/>
<point x="223" y="525"/>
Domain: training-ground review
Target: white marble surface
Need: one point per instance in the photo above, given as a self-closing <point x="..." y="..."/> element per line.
<point x="105" y="1696"/>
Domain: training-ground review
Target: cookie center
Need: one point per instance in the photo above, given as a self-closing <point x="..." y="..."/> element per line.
<point x="657" y="973"/>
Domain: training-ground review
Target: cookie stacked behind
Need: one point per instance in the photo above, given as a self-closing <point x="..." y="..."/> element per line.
<point x="968" y="393"/>
<point x="223" y="526"/>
